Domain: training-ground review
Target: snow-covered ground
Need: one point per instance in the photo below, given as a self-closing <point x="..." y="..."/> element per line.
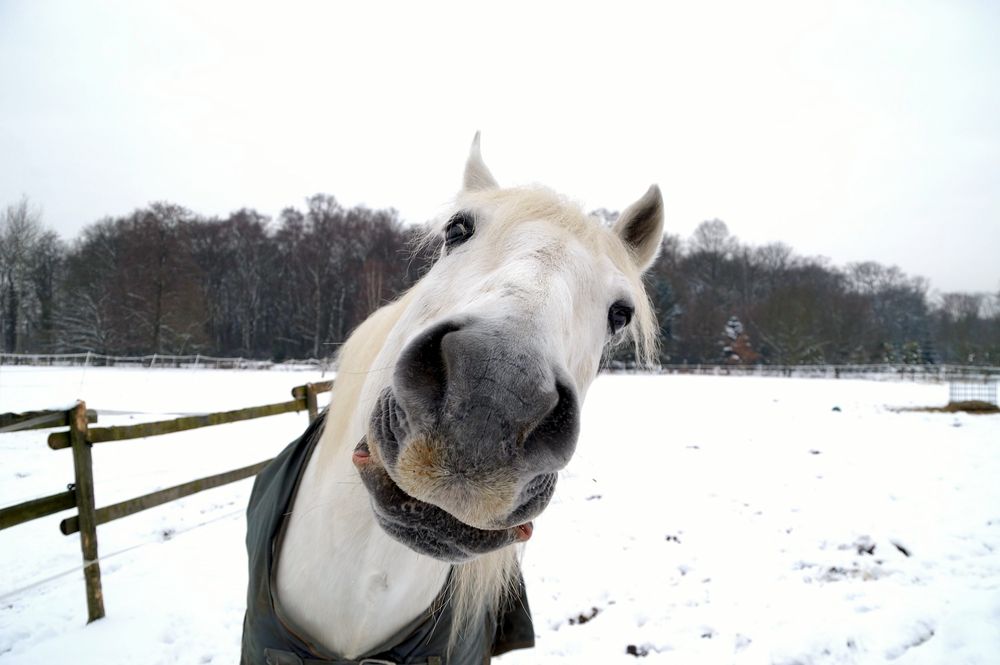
<point x="703" y="520"/>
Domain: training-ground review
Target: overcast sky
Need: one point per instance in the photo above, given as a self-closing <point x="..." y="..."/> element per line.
<point x="852" y="130"/>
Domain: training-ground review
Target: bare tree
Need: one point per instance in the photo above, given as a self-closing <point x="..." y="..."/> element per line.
<point x="164" y="280"/>
<point x="20" y="229"/>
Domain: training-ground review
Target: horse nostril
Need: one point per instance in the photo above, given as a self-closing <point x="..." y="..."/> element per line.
<point x="421" y="374"/>
<point x="552" y="442"/>
<point x="502" y="405"/>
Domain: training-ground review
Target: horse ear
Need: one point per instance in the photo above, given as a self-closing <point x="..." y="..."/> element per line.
<point x="477" y="176"/>
<point x="640" y="227"/>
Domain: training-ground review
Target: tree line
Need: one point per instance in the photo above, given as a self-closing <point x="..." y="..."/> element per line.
<point x="166" y="280"/>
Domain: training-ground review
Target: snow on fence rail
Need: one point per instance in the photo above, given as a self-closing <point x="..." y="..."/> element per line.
<point x="90" y="359"/>
<point x="80" y="437"/>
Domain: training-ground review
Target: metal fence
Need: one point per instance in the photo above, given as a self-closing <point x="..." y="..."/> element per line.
<point x="972" y="391"/>
<point x="885" y="372"/>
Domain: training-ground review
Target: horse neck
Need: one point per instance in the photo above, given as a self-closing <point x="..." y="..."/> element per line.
<point x="340" y="578"/>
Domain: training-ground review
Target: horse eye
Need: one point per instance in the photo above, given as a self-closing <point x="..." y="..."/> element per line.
<point x="459" y="229"/>
<point x="619" y="316"/>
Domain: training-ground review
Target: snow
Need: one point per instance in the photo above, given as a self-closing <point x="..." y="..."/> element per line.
<point x="702" y="520"/>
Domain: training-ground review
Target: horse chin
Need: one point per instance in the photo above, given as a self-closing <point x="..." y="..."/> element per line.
<point x="423" y="465"/>
<point x="424" y="527"/>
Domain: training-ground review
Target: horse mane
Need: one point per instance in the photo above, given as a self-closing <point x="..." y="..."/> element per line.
<point x="475" y="587"/>
<point x="481" y="585"/>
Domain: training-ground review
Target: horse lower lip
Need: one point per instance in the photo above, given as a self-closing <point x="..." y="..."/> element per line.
<point x="361" y="454"/>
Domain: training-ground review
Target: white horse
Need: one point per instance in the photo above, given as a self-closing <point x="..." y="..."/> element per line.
<point x="453" y="410"/>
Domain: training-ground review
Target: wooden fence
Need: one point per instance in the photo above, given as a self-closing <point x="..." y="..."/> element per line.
<point x="80" y="437"/>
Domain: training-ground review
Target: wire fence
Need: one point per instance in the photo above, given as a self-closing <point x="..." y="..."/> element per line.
<point x="197" y="361"/>
<point x="6" y="596"/>
<point x="886" y="371"/>
<point x="972" y="391"/>
<point x="80" y="438"/>
<point x="883" y="372"/>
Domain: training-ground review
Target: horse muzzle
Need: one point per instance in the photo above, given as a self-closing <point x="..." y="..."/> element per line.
<point x="474" y="424"/>
<point x="422" y="526"/>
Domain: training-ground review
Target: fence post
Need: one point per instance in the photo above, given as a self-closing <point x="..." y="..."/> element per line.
<point x="84" y="470"/>
<point x="311" y="401"/>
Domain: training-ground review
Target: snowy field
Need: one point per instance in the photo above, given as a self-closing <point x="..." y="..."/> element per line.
<point x="703" y="520"/>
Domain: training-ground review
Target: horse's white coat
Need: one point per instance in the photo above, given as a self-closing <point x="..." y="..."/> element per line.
<point x="543" y="270"/>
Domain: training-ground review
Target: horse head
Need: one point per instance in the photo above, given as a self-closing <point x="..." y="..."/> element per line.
<point x="491" y="358"/>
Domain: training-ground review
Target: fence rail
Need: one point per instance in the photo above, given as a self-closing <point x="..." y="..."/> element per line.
<point x="15" y="422"/>
<point x="80" y="437"/>
<point x="32" y="510"/>
<point x="71" y="525"/>
<point x="59" y="440"/>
